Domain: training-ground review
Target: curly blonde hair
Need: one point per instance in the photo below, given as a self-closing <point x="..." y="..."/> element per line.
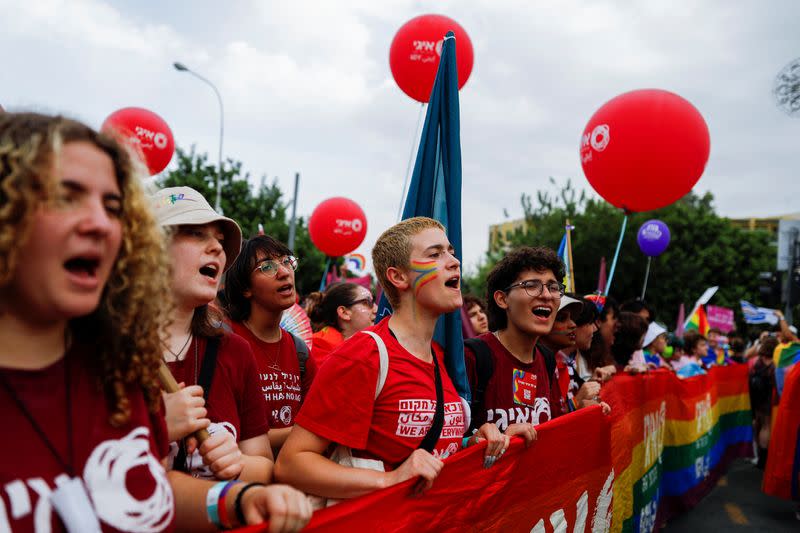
<point x="127" y="327"/>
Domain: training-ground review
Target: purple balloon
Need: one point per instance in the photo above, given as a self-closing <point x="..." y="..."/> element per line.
<point x="653" y="238"/>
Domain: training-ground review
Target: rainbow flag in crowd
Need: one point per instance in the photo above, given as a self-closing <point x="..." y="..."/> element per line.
<point x="786" y="355"/>
<point x="672" y="439"/>
<point x="698" y="321"/>
<point x="563" y="253"/>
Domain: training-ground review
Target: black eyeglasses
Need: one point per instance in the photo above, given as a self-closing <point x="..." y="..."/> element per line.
<point x="370" y="301"/>
<point x="534" y="288"/>
<point x="270" y="266"/>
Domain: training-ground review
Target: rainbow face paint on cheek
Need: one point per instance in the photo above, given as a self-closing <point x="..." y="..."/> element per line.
<point x="427" y="271"/>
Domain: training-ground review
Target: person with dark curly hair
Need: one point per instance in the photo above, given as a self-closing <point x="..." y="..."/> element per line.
<point x="476" y="312"/>
<point x="344" y="310"/>
<point x="513" y="382"/>
<point x="259" y="287"/>
<point x="84" y="288"/>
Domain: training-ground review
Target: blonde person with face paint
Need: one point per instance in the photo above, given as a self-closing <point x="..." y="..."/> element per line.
<point x="390" y="434"/>
<point x="222" y="393"/>
<point x="344" y="310"/>
<point x="83" y="276"/>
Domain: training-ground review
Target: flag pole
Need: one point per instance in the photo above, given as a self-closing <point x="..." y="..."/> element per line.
<point x="569" y="257"/>
<point x="325" y="274"/>
<point x="646" y="276"/>
<point x="616" y="254"/>
<point x="414" y="143"/>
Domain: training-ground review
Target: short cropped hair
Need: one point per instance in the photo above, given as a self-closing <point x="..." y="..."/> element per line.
<point x="393" y="249"/>
<point x="505" y="272"/>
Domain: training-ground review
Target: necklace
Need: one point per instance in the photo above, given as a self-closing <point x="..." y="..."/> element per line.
<point x="267" y="347"/>
<point x="177" y="356"/>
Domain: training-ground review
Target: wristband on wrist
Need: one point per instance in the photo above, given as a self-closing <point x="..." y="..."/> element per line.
<point x="222" y="509"/>
<point x="237" y="503"/>
<point x="212" y="500"/>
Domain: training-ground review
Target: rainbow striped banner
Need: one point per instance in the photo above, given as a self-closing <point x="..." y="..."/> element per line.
<point x="672" y="439"/>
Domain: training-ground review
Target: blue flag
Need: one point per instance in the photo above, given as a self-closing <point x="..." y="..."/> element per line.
<point x="435" y="192"/>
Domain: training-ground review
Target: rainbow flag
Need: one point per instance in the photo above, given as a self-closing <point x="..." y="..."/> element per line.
<point x="698" y="321"/>
<point x="786" y="355"/>
<point x="672" y="439"/>
<point x="563" y="253"/>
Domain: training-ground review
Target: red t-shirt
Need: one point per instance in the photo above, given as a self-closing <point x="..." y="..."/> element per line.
<point x="517" y="392"/>
<point x="323" y="342"/>
<point x="120" y="466"/>
<point x="279" y="371"/>
<point x="234" y="401"/>
<point x="341" y="404"/>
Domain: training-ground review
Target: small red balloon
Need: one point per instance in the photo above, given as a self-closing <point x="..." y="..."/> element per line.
<point x="416" y="50"/>
<point x="337" y="226"/>
<point x="644" y="149"/>
<point x="146" y="132"/>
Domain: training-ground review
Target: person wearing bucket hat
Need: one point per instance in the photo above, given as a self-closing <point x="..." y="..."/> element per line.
<point x="199" y="352"/>
<point x="655" y="342"/>
<point x="562" y="342"/>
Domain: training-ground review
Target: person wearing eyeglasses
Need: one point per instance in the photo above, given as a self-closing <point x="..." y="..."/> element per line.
<point x="344" y="310"/>
<point x="259" y="287"/>
<point x="513" y="383"/>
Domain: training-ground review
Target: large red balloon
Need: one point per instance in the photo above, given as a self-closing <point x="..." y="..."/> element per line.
<point x="416" y="49"/>
<point x="337" y="226"/>
<point x="644" y="149"/>
<point x="146" y="132"/>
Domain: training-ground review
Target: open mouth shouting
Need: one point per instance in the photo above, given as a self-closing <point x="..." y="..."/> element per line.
<point x="542" y="312"/>
<point x="286" y="290"/>
<point x="453" y="282"/>
<point x="211" y="271"/>
<point x="83" y="270"/>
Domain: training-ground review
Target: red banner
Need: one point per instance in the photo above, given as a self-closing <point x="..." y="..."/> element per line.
<point x="562" y="482"/>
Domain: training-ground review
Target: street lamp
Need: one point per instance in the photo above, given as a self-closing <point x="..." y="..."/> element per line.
<point x="183" y="68"/>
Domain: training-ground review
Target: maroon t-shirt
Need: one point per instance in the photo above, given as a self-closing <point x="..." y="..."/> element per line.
<point x="234" y="401"/>
<point x="517" y="392"/>
<point x="120" y="466"/>
<point x="279" y="371"/>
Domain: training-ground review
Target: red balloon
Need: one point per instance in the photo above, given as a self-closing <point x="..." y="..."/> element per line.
<point x="416" y="49"/>
<point x="337" y="226"/>
<point x="644" y="149"/>
<point x="146" y="132"/>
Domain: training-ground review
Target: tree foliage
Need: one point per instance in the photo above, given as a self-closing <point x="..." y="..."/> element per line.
<point x="249" y="207"/>
<point x="705" y="250"/>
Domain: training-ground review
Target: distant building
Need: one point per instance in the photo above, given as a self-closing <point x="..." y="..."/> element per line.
<point x="769" y="224"/>
<point x="500" y="234"/>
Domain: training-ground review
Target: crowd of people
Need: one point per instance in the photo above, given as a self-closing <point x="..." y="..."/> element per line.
<point x="105" y="287"/>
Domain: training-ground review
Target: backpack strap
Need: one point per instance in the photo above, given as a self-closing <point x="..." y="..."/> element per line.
<point x="383" y="361"/>
<point x="549" y="360"/>
<point x="301" y="348"/>
<point x="484" y="368"/>
<point x="204" y="379"/>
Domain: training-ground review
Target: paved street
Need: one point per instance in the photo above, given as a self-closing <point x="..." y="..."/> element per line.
<point x="737" y="504"/>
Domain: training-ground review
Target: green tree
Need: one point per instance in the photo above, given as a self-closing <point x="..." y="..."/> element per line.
<point x="249" y="207"/>
<point x="705" y="250"/>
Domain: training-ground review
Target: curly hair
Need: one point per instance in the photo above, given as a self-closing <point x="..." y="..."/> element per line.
<point x="127" y="327"/>
<point x="506" y="271"/>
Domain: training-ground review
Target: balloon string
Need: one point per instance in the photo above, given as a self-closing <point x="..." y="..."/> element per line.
<point x="646" y="276"/>
<point x="414" y="143"/>
<point x="325" y="275"/>
<point x="616" y="254"/>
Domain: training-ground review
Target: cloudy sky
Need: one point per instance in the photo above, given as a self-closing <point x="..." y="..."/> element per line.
<point x="307" y="87"/>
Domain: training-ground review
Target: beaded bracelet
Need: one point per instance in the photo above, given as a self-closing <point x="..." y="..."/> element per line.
<point x="237" y="503"/>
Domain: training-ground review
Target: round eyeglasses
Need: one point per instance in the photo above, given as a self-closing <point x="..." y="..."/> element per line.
<point x="535" y="288"/>
<point x="270" y="266"/>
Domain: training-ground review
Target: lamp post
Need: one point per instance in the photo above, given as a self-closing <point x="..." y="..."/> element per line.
<point x="183" y="68"/>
